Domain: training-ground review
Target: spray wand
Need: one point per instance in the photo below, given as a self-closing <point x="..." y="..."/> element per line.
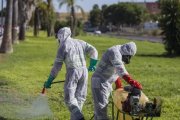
<point x="44" y="89"/>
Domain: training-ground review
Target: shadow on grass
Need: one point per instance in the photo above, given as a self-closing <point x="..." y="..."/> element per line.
<point x="3" y="82"/>
<point x="2" y="118"/>
<point x="157" y="55"/>
<point x="40" y="37"/>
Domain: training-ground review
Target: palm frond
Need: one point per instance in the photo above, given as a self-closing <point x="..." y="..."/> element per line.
<point x="78" y="7"/>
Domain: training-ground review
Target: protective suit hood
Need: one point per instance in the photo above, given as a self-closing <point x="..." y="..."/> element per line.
<point x="63" y="34"/>
<point x="128" y="49"/>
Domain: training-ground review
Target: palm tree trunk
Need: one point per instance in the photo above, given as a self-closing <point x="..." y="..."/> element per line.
<point x="15" y="27"/>
<point x="22" y="31"/>
<point x="73" y="21"/>
<point x="26" y="8"/>
<point x="36" y="22"/>
<point x="22" y="19"/>
<point x="48" y="28"/>
<point x="2" y="16"/>
<point x="6" y="46"/>
<point x="50" y="20"/>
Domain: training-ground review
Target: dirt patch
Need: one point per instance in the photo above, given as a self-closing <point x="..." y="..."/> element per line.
<point x="3" y="57"/>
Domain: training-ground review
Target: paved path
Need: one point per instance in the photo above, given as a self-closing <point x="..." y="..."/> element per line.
<point x="135" y="37"/>
<point x="143" y="38"/>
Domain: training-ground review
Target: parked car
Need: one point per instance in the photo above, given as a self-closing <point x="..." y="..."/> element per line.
<point x="97" y="32"/>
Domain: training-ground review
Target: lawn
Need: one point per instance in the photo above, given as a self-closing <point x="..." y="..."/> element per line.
<point x="22" y="75"/>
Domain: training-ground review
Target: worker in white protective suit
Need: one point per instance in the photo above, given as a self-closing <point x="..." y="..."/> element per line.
<point x="110" y="69"/>
<point x="73" y="53"/>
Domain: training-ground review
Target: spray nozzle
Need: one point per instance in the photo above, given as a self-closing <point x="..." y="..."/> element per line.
<point x="43" y="91"/>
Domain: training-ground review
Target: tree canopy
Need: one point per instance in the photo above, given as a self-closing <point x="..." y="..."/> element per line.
<point x="124" y="13"/>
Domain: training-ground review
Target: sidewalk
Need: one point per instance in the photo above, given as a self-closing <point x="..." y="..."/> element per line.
<point x="136" y="37"/>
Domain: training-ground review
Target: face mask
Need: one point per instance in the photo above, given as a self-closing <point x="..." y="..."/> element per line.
<point x="126" y="59"/>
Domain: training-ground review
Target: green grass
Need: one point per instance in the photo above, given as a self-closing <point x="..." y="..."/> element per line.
<point x="23" y="73"/>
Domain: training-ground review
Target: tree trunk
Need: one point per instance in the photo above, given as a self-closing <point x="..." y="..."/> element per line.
<point x="15" y="27"/>
<point x="6" y="46"/>
<point x="36" y="22"/>
<point x="73" y="21"/>
<point x="22" y="31"/>
<point x="50" y="28"/>
<point x="22" y="20"/>
<point x="2" y="16"/>
<point x="26" y="8"/>
<point x="50" y="20"/>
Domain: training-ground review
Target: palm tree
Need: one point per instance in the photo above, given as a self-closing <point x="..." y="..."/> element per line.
<point x="71" y="5"/>
<point x="15" y="27"/>
<point x="44" y="16"/>
<point x="6" y="46"/>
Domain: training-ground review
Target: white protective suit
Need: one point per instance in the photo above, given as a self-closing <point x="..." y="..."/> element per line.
<point x="108" y="70"/>
<point x="73" y="52"/>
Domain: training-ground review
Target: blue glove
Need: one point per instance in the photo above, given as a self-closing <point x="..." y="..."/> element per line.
<point x="92" y="66"/>
<point x="48" y="83"/>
